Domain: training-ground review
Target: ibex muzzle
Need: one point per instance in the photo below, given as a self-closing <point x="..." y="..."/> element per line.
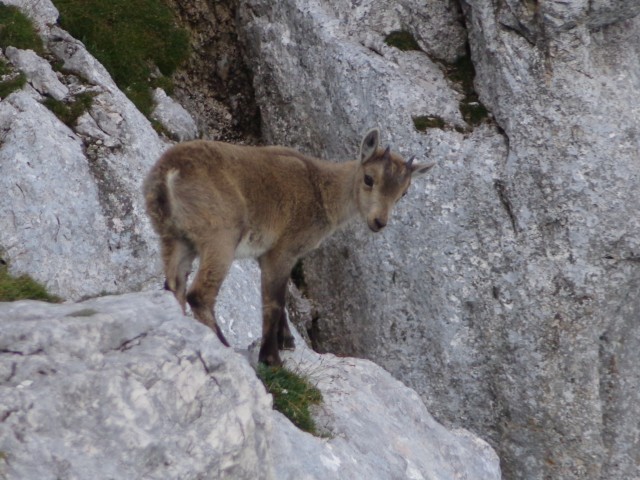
<point x="220" y="201"/>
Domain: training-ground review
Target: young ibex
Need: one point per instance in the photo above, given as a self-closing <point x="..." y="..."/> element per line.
<point x="220" y="201"/>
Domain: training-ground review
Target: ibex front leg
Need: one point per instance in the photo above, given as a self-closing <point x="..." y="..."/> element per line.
<point x="214" y="264"/>
<point x="275" y="331"/>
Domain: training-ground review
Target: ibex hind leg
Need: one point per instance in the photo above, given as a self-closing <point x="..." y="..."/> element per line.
<point x="275" y="268"/>
<point x="203" y="292"/>
<point x="285" y="338"/>
<point x="178" y="255"/>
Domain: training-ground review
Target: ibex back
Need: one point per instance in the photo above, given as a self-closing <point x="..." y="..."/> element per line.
<point x="220" y="202"/>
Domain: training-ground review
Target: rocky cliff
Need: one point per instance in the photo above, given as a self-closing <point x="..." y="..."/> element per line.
<point x="125" y="386"/>
<point x="505" y="290"/>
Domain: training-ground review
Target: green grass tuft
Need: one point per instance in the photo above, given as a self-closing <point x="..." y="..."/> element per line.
<point x="474" y="112"/>
<point x="12" y="84"/>
<point x="22" y="288"/>
<point x="423" y="122"/>
<point x="402" y="40"/>
<point x="69" y="112"/>
<point x="84" y="312"/>
<point x="5" y="68"/>
<point x="293" y="395"/>
<point x="463" y="73"/>
<point x="17" y="30"/>
<point x="130" y="38"/>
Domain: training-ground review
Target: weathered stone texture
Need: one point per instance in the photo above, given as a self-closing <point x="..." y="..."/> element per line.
<point x="173" y="117"/>
<point x="503" y="289"/>
<point x="126" y="387"/>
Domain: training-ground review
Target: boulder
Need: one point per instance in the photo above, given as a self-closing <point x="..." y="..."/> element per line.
<point x="123" y="387"/>
<point x="126" y="387"/>
<point x="75" y="214"/>
<point x="38" y="72"/>
<point x="173" y="117"/>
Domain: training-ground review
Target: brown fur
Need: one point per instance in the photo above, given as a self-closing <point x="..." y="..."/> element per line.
<point x="220" y="201"/>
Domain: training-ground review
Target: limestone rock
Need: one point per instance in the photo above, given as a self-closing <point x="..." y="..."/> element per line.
<point x="173" y="117"/>
<point x="365" y="410"/>
<point x="126" y="387"/>
<point x="75" y="218"/>
<point x="436" y="26"/>
<point x="310" y="100"/>
<point x="43" y="12"/>
<point x="73" y="223"/>
<point x="38" y="72"/>
<point x="504" y="288"/>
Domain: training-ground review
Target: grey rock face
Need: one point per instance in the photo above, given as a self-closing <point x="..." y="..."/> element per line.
<point x="38" y="71"/>
<point x="126" y="387"/>
<point x="503" y="289"/>
<point x="74" y="214"/>
<point x="74" y="223"/>
<point x="438" y="29"/>
<point x="173" y="117"/>
<point x="309" y="99"/>
<point x="376" y="427"/>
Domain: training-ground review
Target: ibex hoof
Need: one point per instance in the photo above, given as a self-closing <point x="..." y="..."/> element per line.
<point x="221" y="336"/>
<point x="271" y="360"/>
<point x="288" y="343"/>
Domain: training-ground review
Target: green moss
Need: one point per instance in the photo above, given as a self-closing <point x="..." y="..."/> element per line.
<point x="12" y="84"/>
<point x="17" y="30"/>
<point x="402" y="40"/>
<point x="463" y="73"/>
<point x="4" y="67"/>
<point x="22" y="288"/>
<point x="130" y="38"/>
<point x="164" y="83"/>
<point x="293" y="395"/>
<point x="423" y="122"/>
<point x="85" y="312"/>
<point x="474" y="113"/>
<point x="69" y="112"/>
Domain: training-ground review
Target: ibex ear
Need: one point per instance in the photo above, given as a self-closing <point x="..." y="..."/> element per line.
<point x="421" y="169"/>
<point x="369" y="145"/>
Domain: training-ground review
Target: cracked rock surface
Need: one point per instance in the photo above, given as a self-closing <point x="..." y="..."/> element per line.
<point x="505" y="287"/>
<point x="126" y="387"/>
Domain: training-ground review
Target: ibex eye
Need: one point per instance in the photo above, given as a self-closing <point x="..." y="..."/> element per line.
<point x="368" y="180"/>
<point x="404" y="193"/>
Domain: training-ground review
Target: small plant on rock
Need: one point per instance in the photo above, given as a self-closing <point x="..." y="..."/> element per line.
<point x="293" y="395"/>
<point x="17" y="30"/>
<point x="423" y="122"/>
<point x="12" y="83"/>
<point x="133" y="39"/>
<point x="69" y="112"/>
<point x="402" y="40"/>
<point x="463" y="73"/>
<point x="22" y="288"/>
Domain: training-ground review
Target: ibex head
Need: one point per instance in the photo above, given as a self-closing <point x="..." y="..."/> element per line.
<point x="383" y="177"/>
